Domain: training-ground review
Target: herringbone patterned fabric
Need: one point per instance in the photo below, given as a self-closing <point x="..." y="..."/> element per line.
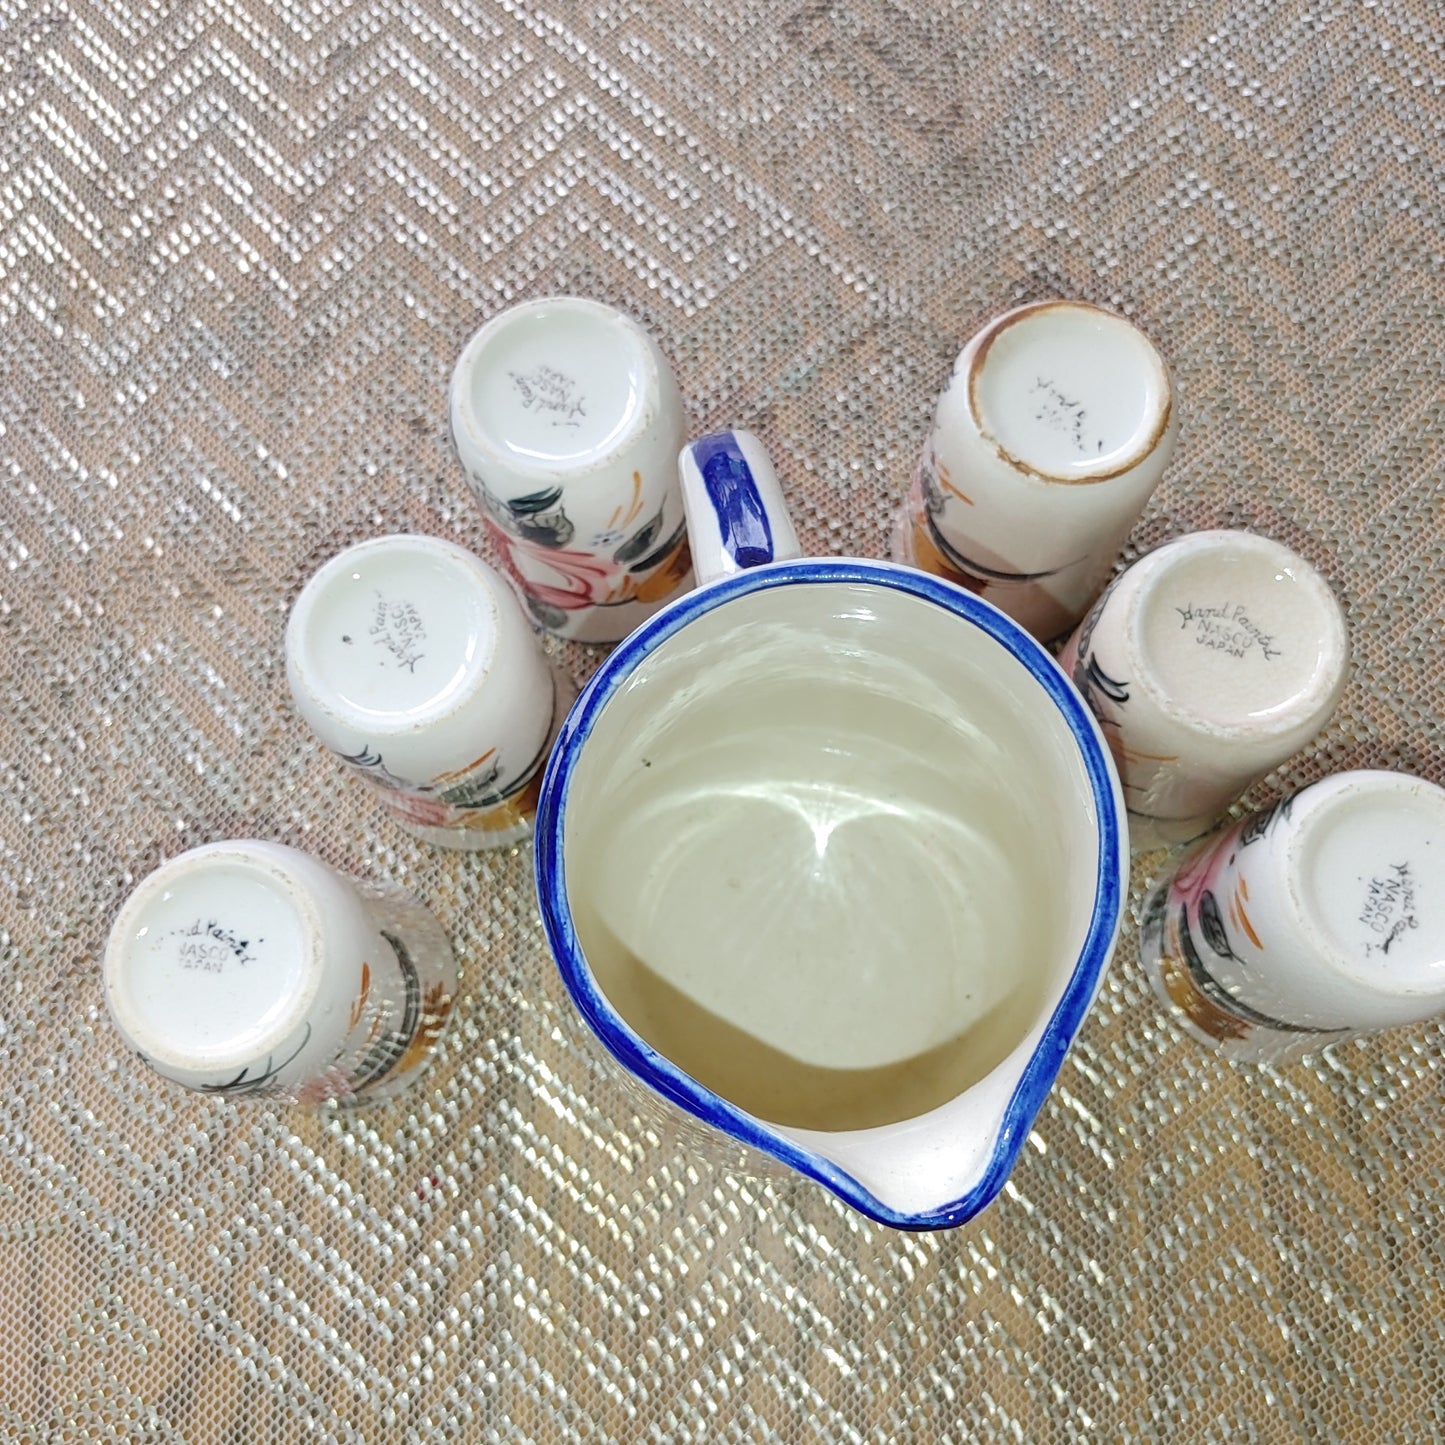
<point x="240" y="247"/>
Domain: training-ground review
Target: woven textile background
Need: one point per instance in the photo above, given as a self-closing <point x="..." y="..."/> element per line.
<point x="241" y="245"/>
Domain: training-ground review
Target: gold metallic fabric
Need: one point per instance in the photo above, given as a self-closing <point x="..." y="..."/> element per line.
<point x="241" y="245"/>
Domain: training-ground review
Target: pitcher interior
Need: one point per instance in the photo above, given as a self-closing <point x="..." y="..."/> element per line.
<point x="830" y="849"/>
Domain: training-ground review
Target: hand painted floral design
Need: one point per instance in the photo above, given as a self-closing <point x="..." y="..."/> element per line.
<point x="474" y="796"/>
<point x="936" y="481"/>
<point x="1103" y="693"/>
<point x="537" y="518"/>
<point x="1107" y="696"/>
<point x="260" y="1078"/>
<point x="1257" y="826"/>
<point x="389" y="1040"/>
<point x="474" y="786"/>
<point x="388" y="1044"/>
<point x="1211" y="924"/>
<point x="628" y="561"/>
<point x="1199" y="923"/>
<point x="928" y="500"/>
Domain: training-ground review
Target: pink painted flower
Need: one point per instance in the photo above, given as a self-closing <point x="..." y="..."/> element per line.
<point x="561" y="577"/>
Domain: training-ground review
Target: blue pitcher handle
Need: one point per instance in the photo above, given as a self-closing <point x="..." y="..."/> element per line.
<point x="736" y="516"/>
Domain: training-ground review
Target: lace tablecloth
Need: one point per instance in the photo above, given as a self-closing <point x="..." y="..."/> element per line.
<point x="240" y="247"/>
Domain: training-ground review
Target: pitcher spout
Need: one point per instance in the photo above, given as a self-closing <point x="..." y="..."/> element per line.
<point x="943" y="1167"/>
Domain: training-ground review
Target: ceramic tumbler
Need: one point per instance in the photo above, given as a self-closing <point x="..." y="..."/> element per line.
<point x="249" y="967"/>
<point x="1319" y="918"/>
<point x="568" y="421"/>
<point x="413" y="662"/>
<point x="1208" y="662"/>
<point x="1052" y="432"/>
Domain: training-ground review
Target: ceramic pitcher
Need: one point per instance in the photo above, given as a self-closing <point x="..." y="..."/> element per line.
<point x="832" y="858"/>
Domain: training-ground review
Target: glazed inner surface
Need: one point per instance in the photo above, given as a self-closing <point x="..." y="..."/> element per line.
<point x="831" y="850"/>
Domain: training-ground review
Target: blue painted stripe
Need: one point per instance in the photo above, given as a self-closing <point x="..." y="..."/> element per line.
<point x="661" y="1074"/>
<point x="742" y="520"/>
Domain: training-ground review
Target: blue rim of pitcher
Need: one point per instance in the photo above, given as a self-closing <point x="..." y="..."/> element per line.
<point x="655" y="1070"/>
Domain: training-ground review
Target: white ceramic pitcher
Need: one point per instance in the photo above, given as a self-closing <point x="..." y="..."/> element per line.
<point x="832" y="857"/>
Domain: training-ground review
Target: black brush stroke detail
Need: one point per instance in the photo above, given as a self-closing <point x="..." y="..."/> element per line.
<point x="1211" y="923"/>
<point x="383" y="1055"/>
<point x="1097" y="680"/>
<point x="1262" y="822"/>
<point x="977" y="570"/>
<point x="241" y="1084"/>
<point x="1217" y="994"/>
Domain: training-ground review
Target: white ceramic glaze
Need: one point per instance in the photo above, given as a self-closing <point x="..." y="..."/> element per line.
<point x="248" y="967"/>
<point x="413" y="662"/>
<point x="829" y="854"/>
<point x="736" y="515"/>
<point x="1053" y="430"/>
<point x="567" y="420"/>
<point x="1209" y="662"/>
<point x="1319" y="918"/>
